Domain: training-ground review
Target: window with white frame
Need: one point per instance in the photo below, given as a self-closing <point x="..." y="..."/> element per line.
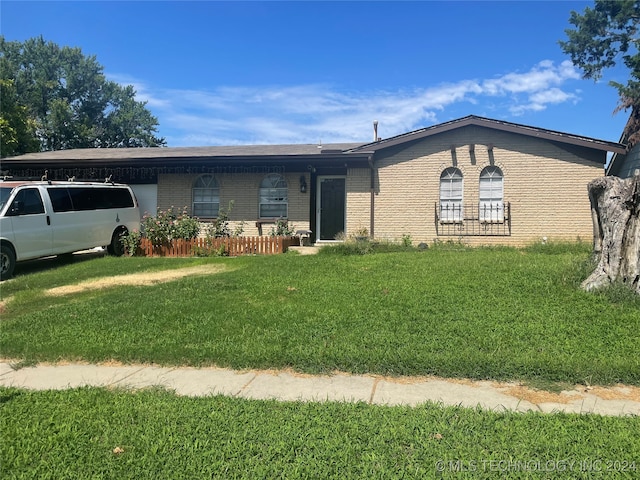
<point x="451" y="195"/>
<point x="206" y="197"/>
<point x="491" y="195"/>
<point x="273" y="197"/>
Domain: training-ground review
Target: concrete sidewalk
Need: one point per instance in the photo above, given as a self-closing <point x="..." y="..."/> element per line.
<point x="290" y="386"/>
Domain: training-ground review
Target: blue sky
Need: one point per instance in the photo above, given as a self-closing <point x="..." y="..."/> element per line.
<point x="231" y="73"/>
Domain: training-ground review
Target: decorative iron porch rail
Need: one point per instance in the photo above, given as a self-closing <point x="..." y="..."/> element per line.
<point x="473" y="220"/>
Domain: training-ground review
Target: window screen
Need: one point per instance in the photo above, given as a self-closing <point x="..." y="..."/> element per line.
<point x="206" y="197"/>
<point x="451" y="195"/>
<point x="491" y="193"/>
<point x="274" y="198"/>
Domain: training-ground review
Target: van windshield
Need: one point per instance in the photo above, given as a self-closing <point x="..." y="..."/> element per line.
<point x="5" y="192"/>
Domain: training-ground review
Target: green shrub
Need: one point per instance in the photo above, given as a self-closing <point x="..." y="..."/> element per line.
<point x="365" y="247"/>
<point x="185" y="227"/>
<point x="220" y="228"/>
<point x="131" y="242"/>
<point x="282" y="228"/>
<point x="209" y="250"/>
<point x="167" y="226"/>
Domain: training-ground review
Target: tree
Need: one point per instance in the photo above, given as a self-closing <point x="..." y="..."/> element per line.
<point x="604" y="35"/>
<point x="68" y="102"/>
<point x="615" y="208"/>
<point x="17" y="131"/>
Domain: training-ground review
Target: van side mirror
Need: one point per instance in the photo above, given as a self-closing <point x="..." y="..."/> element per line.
<point x="17" y="208"/>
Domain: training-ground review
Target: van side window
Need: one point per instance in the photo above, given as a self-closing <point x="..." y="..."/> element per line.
<point x="60" y="199"/>
<point x="27" y="202"/>
<point x="82" y="199"/>
<point x="99" y="198"/>
<point x="122" y="198"/>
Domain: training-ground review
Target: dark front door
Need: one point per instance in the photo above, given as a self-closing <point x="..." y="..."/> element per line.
<point x="332" y="207"/>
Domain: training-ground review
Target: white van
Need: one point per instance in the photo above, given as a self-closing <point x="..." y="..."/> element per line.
<point x="39" y="219"/>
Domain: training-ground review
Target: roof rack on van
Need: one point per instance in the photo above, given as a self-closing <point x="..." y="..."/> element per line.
<point x="12" y="178"/>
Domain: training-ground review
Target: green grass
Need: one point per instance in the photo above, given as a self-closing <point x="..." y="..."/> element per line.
<point x="497" y="313"/>
<point x="49" y="273"/>
<point x="482" y="313"/>
<point x="73" y="434"/>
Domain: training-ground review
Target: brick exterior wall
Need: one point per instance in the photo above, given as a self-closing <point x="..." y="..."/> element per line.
<point x="358" y="200"/>
<point x="545" y="183"/>
<point x="242" y="189"/>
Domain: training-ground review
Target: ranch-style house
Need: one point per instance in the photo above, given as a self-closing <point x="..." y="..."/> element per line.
<point x="474" y="179"/>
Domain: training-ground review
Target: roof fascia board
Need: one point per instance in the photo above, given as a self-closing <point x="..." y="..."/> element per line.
<point x="316" y="159"/>
<point x="496" y="125"/>
<point x="221" y="158"/>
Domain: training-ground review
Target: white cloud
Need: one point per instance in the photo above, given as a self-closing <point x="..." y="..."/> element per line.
<point x="542" y="76"/>
<point x="538" y="101"/>
<point x="312" y="113"/>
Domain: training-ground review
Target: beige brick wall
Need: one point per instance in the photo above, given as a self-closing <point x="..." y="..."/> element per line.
<point x="545" y="184"/>
<point x="358" y="187"/>
<point x="242" y="189"/>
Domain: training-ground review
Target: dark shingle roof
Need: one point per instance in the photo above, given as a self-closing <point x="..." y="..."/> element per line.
<point x="186" y="152"/>
<point x="497" y="125"/>
<point x="266" y="153"/>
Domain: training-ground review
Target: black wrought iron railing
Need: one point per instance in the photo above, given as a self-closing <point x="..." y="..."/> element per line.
<point x="473" y="219"/>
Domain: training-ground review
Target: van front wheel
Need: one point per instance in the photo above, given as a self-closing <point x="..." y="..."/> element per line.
<point x="116" y="248"/>
<point x="7" y="262"/>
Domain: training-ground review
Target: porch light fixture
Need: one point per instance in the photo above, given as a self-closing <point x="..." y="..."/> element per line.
<point x="303" y="184"/>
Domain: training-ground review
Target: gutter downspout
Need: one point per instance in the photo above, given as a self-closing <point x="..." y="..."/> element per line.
<point x="372" y="202"/>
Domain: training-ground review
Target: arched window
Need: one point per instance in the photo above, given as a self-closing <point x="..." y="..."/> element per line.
<point x="451" y="195"/>
<point x="273" y="197"/>
<point x="206" y="197"/>
<point x="491" y="195"/>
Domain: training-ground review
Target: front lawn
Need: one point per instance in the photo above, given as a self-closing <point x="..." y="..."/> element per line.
<point x="496" y="313"/>
<point x="101" y="434"/>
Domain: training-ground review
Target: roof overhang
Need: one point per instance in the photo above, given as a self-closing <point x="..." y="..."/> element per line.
<point x="181" y="157"/>
<point x="500" y="125"/>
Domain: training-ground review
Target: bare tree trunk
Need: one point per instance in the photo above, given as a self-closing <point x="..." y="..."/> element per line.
<point x="615" y="210"/>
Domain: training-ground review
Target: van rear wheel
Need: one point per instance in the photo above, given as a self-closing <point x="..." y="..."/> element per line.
<point x="7" y="262"/>
<point x="116" y="248"/>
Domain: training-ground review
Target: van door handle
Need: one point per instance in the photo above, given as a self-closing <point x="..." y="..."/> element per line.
<point x="48" y="220"/>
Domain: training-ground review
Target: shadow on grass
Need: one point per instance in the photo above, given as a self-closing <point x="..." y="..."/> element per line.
<point x="30" y="267"/>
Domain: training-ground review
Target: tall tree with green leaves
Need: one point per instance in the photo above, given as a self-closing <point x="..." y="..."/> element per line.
<point x="17" y="130"/>
<point x="64" y="101"/>
<point x="603" y="37"/>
